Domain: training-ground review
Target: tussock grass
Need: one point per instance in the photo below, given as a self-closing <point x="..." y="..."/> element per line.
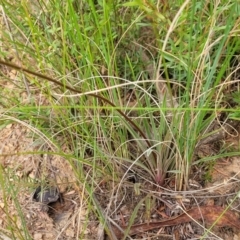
<point x="91" y="47"/>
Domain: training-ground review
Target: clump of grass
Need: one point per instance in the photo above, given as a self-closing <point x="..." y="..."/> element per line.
<point x="79" y="45"/>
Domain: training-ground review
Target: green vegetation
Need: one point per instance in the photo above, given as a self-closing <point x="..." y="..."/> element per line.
<point x="111" y="54"/>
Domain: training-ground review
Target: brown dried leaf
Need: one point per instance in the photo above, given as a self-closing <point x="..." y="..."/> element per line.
<point x="209" y="213"/>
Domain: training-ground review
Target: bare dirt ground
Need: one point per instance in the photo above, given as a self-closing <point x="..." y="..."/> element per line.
<point x="61" y="219"/>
